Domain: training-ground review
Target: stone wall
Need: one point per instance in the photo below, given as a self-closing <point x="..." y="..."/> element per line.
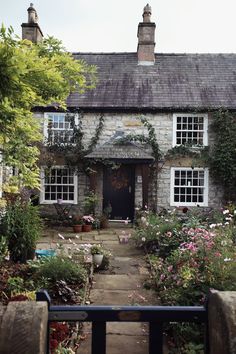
<point x="130" y="124"/>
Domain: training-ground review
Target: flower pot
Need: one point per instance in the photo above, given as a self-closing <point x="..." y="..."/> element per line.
<point x="77" y="228"/>
<point x="87" y="228"/>
<point x="97" y="259"/>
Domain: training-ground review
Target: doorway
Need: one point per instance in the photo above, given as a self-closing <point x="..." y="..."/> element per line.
<point x="118" y="191"/>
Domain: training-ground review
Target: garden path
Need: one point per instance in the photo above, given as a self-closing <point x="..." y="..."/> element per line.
<point x="121" y="284"/>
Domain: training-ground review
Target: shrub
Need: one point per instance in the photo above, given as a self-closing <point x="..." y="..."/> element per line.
<point x="62" y="268"/>
<point x="152" y="230"/>
<point x="3" y="248"/>
<point x="21" y="225"/>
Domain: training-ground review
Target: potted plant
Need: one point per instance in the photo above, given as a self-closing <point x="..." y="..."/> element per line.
<point x="77" y="223"/>
<point x="104" y="222"/>
<point x="90" y="202"/>
<point x="88" y="221"/>
<point x="97" y="253"/>
<point x="104" y="219"/>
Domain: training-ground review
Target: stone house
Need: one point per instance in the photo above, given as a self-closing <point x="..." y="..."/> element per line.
<point x="174" y="93"/>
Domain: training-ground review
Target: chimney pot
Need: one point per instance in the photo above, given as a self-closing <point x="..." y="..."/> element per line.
<point x="31" y="29"/>
<point x="146" y="38"/>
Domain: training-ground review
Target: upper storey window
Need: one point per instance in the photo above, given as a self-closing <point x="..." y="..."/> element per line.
<point x="190" y="129"/>
<point x="59" y="127"/>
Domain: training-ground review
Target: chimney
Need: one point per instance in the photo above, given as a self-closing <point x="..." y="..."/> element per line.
<point x="31" y="29"/>
<point x="146" y="38"/>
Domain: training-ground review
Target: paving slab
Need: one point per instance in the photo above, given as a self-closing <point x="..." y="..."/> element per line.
<point x="126" y="265"/>
<point x="123" y="250"/>
<point x="106" y="237"/>
<point x="118" y="281"/>
<point x="138" y="296"/>
<point x="133" y="329"/>
<point x="110" y="297"/>
<point x="117" y="344"/>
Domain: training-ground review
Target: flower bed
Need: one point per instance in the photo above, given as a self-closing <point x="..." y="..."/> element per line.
<point x="189" y="254"/>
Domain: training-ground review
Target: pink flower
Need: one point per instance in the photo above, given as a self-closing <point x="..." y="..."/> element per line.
<point x="170" y="268"/>
<point x="162" y="277"/>
<point x="218" y="254"/>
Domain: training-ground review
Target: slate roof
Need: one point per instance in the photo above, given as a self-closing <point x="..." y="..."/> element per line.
<point x="128" y="151"/>
<point x="176" y="81"/>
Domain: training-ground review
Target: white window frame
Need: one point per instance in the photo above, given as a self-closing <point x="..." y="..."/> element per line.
<point x="205" y="127"/>
<point x="205" y="187"/>
<point x="42" y="189"/>
<point x="46" y="120"/>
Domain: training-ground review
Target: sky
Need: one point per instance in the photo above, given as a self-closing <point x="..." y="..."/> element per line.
<point x="183" y="26"/>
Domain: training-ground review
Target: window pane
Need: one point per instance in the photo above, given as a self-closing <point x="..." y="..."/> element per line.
<point x="189" y="186"/>
<point x="58" y="184"/>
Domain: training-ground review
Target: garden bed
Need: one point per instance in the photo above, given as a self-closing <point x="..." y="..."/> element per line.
<point x="188" y="255"/>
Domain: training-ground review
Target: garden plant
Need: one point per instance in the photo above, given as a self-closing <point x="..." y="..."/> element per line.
<point x="189" y="254"/>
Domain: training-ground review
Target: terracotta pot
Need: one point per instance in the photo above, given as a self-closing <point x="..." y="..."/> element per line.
<point x="77" y="228"/>
<point x="87" y="228"/>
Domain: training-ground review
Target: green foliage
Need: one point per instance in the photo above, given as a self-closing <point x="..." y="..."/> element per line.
<point x="59" y="268"/>
<point x="74" y="150"/>
<point x="158" y="233"/>
<point x="222" y="158"/>
<point x="150" y="139"/>
<point x="90" y="202"/>
<point x="97" y="249"/>
<point x="21" y="225"/>
<point x="3" y="248"/>
<point x="16" y="284"/>
<point x="33" y="75"/>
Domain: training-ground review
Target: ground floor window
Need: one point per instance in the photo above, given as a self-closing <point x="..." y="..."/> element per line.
<point x="58" y="183"/>
<point x="189" y="187"/>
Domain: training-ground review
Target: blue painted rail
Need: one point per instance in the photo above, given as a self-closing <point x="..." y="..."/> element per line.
<point x="156" y="316"/>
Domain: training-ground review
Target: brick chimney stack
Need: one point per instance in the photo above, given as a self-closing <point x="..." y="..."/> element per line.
<point x="146" y="38"/>
<point x="31" y="29"/>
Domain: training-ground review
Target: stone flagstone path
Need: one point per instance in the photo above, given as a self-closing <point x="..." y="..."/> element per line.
<point x="122" y="284"/>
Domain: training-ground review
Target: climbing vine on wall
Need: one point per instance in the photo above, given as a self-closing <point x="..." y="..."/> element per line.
<point x="150" y="139"/>
<point x="72" y="146"/>
<point x="222" y="156"/>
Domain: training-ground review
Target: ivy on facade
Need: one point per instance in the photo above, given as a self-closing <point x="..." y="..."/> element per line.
<point x="220" y="157"/>
<point x="72" y="147"/>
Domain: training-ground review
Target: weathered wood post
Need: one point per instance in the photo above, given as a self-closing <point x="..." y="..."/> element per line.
<point x="23" y="327"/>
<point x="222" y="322"/>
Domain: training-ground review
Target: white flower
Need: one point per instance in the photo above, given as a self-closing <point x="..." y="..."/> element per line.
<point x="62" y="237"/>
<point x="212" y="226"/>
<point x="235" y="211"/>
<point x="226" y="211"/>
<point x="143" y="239"/>
<point x="227" y="259"/>
<point x="226" y="223"/>
<point x="77" y="236"/>
<point x="229" y="219"/>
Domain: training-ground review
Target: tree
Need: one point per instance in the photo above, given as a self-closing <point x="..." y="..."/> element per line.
<point x="33" y="75"/>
